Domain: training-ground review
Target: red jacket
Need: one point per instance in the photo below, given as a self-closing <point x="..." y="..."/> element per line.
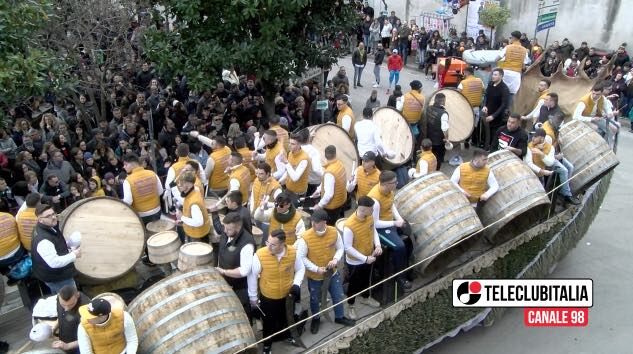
<point x="395" y="62"/>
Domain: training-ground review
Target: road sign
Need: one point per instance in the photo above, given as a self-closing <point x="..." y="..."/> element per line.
<point x="547" y="11"/>
<point x="322" y="105"/>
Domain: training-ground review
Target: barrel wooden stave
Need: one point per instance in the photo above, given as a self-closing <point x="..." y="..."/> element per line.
<point x="519" y="203"/>
<point x="161" y="225"/>
<point x="194" y="254"/>
<point x="331" y="134"/>
<point x="215" y="236"/>
<point x="112" y="237"/>
<point x="441" y="216"/>
<point x="395" y="135"/>
<point x="461" y="119"/>
<point x="588" y="152"/>
<point x="163" y="247"/>
<point x="191" y="311"/>
<point x="258" y="235"/>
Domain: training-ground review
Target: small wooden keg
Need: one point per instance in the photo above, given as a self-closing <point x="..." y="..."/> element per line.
<point x="194" y="254"/>
<point x="163" y="247"/>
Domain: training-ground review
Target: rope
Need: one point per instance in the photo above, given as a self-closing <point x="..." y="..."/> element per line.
<point x="406" y="269"/>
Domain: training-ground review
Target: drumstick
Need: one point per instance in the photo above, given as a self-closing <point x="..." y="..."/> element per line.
<point x="353" y="169"/>
<point x="220" y="201"/>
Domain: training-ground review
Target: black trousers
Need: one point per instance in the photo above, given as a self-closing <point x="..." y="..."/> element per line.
<point x="333" y="215"/>
<point x="358" y="279"/>
<point x="274" y="319"/>
<point x="439" y="151"/>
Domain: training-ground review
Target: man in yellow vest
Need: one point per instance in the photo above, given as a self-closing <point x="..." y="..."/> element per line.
<point x="594" y="110"/>
<point x="283" y="216"/>
<point x="542" y="160"/>
<point x="514" y="58"/>
<point x="182" y="151"/>
<point x="389" y="223"/>
<point x="106" y="330"/>
<point x="272" y="154"/>
<point x="297" y="168"/>
<point x="216" y="164"/>
<point x="543" y="91"/>
<point x="345" y="117"/>
<point x="27" y="219"/>
<point x="362" y="246"/>
<point x="365" y="176"/>
<point x="11" y="252"/>
<point x="475" y="179"/>
<point x="413" y="108"/>
<point x="282" y="134"/>
<point x="265" y="191"/>
<point x="193" y="217"/>
<point x="239" y="176"/>
<point x="247" y="155"/>
<point x="279" y="272"/>
<point x="141" y="189"/>
<point x="321" y="249"/>
<point x="333" y="189"/>
<point x="472" y="88"/>
<point x="427" y="162"/>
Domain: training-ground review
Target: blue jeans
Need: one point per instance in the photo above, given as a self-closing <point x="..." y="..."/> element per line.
<point x="389" y="237"/>
<point x="336" y="291"/>
<point x="377" y="73"/>
<point x="564" y="169"/>
<point x="402" y="50"/>
<point x="358" y="71"/>
<point x="366" y="40"/>
<point x="58" y="285"/>
<point x="421" y="54"/>
<point x="394" y="75"/>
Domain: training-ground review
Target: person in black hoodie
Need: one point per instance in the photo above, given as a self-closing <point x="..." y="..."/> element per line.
<point x="53" y="262"/>
<point x="379" y="57"/>
<point x="359" y="60"/>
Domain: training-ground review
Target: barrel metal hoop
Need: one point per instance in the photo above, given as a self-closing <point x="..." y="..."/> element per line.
<point x="432" y="237"/>
<point x="413" y="184"/>
<point x="211" y="330"/>
<point x="576" y="138"/>
<point x="437" y="218"/>
<point x="175" y="295"/>
<point x="578" y="165"/>
<point x="437" y="197"/>
<point x="189" y="324"/>
<point x="165" y="282"/>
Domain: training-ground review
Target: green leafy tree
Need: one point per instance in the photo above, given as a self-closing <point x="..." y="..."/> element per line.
<point x="494" y="16"/>
<point x="24" y="64"/>
<point x="274" y="40"/>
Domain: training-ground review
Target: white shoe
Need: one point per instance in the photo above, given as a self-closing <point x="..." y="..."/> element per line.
<point x="352" y="312"/>
<point x="369" y="301"/>
<point x="375" y="85"/>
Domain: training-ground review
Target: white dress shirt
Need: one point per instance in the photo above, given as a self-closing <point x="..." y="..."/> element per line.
<point x="47" y="251"/>
<point x="368" y="139"/>
<point x="328" y="189"/>
<point x="316" y="166"/>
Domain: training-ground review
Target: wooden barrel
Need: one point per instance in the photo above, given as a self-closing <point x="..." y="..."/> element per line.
<point x="112" y="237"/>
<point x="116" y="302"/>
<point x="213" y="201"/>
<point x="163" y="247"/>
<point x="258" y="235"/>
<point x="340" y="223"/>
<point x="440" y="215"/>
<point x="519" y="203"/>
<point x="161" y="225"/>
<point x="588" y="152"/>
<point x="195" y="311"/>
<point x="331" y="134"/>
<point x="395" y="134"/>
<point x="194" y="254"/>
<point x="215" y="236"/>
<point x="461" y="119"/>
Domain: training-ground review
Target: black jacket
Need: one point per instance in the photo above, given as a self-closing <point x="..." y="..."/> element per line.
<point x="357" y="59"/>
<point x="379" y="57"/>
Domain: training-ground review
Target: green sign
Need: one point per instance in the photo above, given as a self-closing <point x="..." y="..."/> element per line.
<point x="322" y="105"/>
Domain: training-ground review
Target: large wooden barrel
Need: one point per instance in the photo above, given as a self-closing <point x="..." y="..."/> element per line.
<point x="588" y="152"/>
<point x="195" y="311"/>
<point x="440" y="215"/>
<point x="194" y="254"/>
<point x="163" y="247"/>
<point x="395" y="134"/>
<point x="461" y="119"/>
<point x="331" y="134"/>
<point x="112" y="237"/>
<point x="258" y="235"/>
<point x="519" y="203"/>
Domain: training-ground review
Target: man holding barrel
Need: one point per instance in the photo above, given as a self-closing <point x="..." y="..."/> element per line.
<point x="475" y="178"/>
<point x="235" y="255"/>
<point x="321" y="250"/>
<point x="279" y="272"/>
